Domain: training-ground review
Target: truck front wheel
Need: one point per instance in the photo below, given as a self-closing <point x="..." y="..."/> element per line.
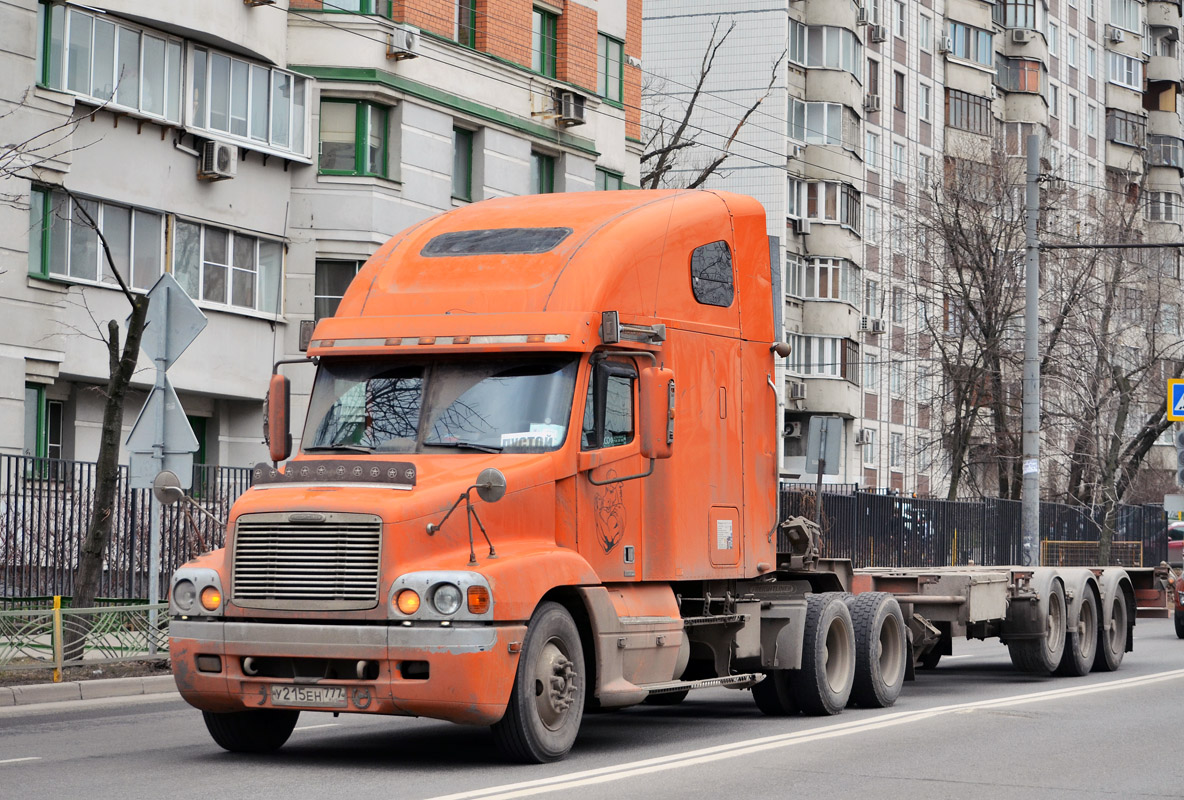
<point x="547" y="701"/>
<point x="823" y="685"/>
<point x="258" y="731"/>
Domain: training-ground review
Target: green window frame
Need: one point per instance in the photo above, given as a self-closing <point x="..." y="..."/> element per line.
<point x="610" y="74"/>
<point x="380" y="8"/>
<point x="466" y="22"/>
<point x="44" y="433"/>
<point x="462" y="164"/>
<point x="542" y="173"/>
<point x="543" y="30"/>
<point x="607" y="180"/>
<point x="353" y="138"/>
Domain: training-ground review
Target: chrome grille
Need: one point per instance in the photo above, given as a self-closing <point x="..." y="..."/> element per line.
<point x="285" y="561"/>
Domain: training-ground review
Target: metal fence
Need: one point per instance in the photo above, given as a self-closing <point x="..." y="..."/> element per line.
<point x="45" y="508"/>
<point x="880" y="530"/>
<point x="57" y="637"/>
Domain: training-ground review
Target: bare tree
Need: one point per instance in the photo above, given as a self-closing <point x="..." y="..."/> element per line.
<point x="676" y="145"/>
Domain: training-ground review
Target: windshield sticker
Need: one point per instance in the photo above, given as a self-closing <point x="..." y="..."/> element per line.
<point x="541" y="436"/>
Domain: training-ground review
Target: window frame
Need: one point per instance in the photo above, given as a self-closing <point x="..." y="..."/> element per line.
<point x="460" y="133"/>
<point x="362" y="131"/>
<point x="466" y="34"/>
<point x="202" y="260"/>
<point x="318" y="298"/>
<point x="544" y="38"/>
<point x="614" y="94"/>
<point x="602" y="372"/>
<point x="604" y="176"/>
<point x="542" y="172"/>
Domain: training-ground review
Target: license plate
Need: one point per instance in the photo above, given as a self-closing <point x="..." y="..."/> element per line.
<point x="322" y="696"/>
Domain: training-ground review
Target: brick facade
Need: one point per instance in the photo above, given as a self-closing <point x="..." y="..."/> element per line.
<point x="576" y="46"/>
<point x="503" y="29"/>
<point x="436" y="16"/>
<point x="633" y="74"/>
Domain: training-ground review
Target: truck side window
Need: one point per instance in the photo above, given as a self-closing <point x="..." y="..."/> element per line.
<point x="711" y="274"/>
<point x="608" y="410"/>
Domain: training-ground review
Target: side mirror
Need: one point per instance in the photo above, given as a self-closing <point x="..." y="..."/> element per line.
<point x="657" y="412"/>
<point x="279" y="402"/>
<point x="491" y="485"/>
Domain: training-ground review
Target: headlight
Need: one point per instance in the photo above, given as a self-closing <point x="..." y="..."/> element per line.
<point x="446" y="598"/>
<point x="184" y="593"/>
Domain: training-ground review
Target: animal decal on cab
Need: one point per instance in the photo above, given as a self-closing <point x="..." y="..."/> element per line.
<point x="610" y="515"/>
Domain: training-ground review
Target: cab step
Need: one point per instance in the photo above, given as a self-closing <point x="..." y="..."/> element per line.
<point x="742" y="681"/>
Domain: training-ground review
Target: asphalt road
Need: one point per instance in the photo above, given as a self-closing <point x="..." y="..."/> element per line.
<point x="973" y="728"/>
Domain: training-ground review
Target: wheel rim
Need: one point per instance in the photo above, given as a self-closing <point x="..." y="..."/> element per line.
<point x="1117" y="630"/>
<point x="1087" y="623"/>
<point x="1056" y="623"/>
<point x="554" y="684"/>
<point x="890" y="652"/>
<point x="838" y="657"/>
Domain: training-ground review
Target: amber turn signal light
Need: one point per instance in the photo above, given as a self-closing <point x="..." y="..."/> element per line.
<point x="211" y="598"/>
<point x="407" y="601"/>
<point x="478" y="597"/>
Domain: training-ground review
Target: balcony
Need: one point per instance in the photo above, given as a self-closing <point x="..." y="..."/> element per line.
<point x="1165" y="151"/>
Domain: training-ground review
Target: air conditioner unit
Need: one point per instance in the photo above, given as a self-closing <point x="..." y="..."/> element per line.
<point x="402" y="42"/>
<point x="878" y="326"/>
<point x="861" y="16"/>
<point x="993" y="92"/>
<point x="218" y="161"/>
<point x="1022" y="35"/>
<point x="797" y="391"/>
<point x="797" y="151"/>
<point x="945" y="45"/>
<point x="801" y="226"/>
<point x="863" y="436"/>
<point x="793" y="430"/>
<point x="871" y="103"/>
<point x="569" y="109"/>
<point x="1116" y="35"/>
<point x="879" y="33"/>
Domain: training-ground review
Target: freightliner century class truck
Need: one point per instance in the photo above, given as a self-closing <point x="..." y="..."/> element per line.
<point x="538" y="476"/>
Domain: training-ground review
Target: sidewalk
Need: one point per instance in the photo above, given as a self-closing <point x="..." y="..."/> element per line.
<point x="85" y="690"/>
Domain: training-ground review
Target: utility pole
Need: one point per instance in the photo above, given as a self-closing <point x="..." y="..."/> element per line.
<point x="1030" y="506"/>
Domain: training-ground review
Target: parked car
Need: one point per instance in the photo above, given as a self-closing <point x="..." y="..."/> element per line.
<point x="1176" y="543"/>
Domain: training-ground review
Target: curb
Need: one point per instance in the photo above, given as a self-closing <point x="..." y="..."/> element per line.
<point x="85" y="690"/>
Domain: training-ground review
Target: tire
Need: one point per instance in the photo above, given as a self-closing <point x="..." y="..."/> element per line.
<point x="1178" y="616"/>
<point x="930" y="660"/>
<point x="1082" y="641"/>
<point x="666" y="698"/>
<point x="546" y="704"/>
<point x="881" y="649"/>
<point x="822" y="686"/>
<point x="1112" y="637"/>
<point x="258" y="731"/>
<point x="1041" y="655"/>
<point x="774" y="695"/>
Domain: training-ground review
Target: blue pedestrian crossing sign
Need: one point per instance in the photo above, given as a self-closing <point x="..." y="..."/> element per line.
<point x="1176" y="400"/>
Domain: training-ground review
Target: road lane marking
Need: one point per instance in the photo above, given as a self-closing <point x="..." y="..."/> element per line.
<point x="17" y="760"/>
<point x="314" y="727"/>
<point x="748" y="747"/>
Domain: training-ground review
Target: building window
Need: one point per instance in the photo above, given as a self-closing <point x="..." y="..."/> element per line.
<point x="1126" y="14"/>
<point x="225" y="267"/>
<point x="353" y="138"/>
<point x="1054" y="39"/>
<point x="797" y="43"/>
<point x="1073" y="110"/>
<point x="871" y="224"/>
<point x="543" y="28"/>
<point x="873" y="77"/>
<point x="871" y="373"/>
<point x="794" y="272"/>
<point x="828" y="201"/>
<point x="871" y="150"/>
<point x="1125" y="128"/>
<point x="968" y="112"/>
<point x="869" y="445"/>
<point x="542" y="173"/>
<point x="898" y="99"/>
<point x="900" y="161"/>
<point x="1091" y="121"/>
<point x="925" y="101"/>
<point x="332" y="279"/>
<point x="899" y="19"/>
<point x="829" y="47"/>
<point x="824" y="357"/>
<point x="1017" y="14"/>
<point x="1054" y="100"/>
<point x="1091" y="61"/>
<point x="370" y="7"/>
<point x="252" y="102"/>
<point x="971" y="44"/>
<point x="1125" y="71"/>
<point x="896" y="450"/>
<point x="925" y="32"/>
<point x="871" y="299"/>
<point x="608" y="181"/>
<point x="832" y="279"/>
<point x="822" y="123"/>
<point x="43" y="433"/>
<point x="1071" y="50"/>
<point x="610" y="82"/>
<point x="123" y="65"/>
<point x="896" y="377"/>
<point x="1165" y="151"/>
<point x="63" y="242"/>
<point x="1021" y="75"/>
<point x="1164" y="207"/>
<point x="466" y="22"/>
<point x="897" y="305"/>
<point x="462" y="164"/>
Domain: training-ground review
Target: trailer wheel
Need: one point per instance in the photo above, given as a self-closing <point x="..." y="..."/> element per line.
<point x="881" y="649"/>
<point x="1040" y="655"/>
<point x="1082" y="641"/>
<point x="1112" y="636"/>
<point x="774" y="695"/>
<point x="823" y="685"/>
<point x="547" y="701"/>
<point x="256" y="731"/>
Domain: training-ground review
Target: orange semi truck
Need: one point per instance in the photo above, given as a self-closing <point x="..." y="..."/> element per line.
<point x="538" y="475"/>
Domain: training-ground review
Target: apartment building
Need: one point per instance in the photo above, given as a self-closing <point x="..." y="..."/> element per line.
<point x="259" y="152"/>
<point x="886" y="109"/>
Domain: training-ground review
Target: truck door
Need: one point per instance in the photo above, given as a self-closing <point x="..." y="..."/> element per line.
<point x="610" y="489"/>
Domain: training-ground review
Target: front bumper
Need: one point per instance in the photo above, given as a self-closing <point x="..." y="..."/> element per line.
<point x="470" y="669"/>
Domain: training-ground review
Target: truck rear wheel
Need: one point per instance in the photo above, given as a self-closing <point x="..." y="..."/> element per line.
<point x="774" y="695"/>
<point x="257" y="731"/>
<point x="1082" y="641"/>
<point x="881" y="649"/>
<point x="1040" y="655"/>
<point x="547" y="701"/>
<point x="823" y="685"/>
<point x="1112" y="635"/>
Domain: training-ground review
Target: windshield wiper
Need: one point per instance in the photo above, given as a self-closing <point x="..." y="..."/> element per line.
<point x="352" y="448"/>
<point x="484" y="448"/>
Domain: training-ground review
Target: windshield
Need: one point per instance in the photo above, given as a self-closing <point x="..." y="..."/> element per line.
<point x="512" y="405"/>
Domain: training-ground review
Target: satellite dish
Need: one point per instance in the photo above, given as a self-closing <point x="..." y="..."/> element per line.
<point x="166" y="488"/>
<point x="491" y="485"/>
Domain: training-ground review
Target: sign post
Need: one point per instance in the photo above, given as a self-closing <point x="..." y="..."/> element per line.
<point x="161" y="437"/>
